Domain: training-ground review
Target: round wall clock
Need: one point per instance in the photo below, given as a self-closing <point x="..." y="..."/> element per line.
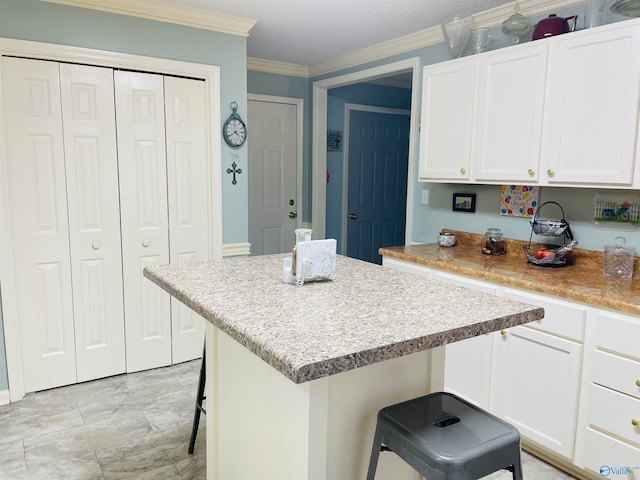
<point x="234" y="129"/>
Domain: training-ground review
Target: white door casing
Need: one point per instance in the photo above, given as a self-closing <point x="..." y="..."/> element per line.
<point x="8" y="270"/>
<point x="94" y="219"/>
<point x="187" y="173"/>
<point x="275" y="143"/>
<point x="38" y="216"/>
<point x="145" y="226"/>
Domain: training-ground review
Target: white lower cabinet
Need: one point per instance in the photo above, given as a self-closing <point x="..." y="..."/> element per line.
<point x="570" y="382"/>
<point x="612" y="437"/>
<point x="536" y="385"/>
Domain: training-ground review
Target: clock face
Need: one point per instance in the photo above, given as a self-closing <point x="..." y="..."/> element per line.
<point x="235" y="132"/>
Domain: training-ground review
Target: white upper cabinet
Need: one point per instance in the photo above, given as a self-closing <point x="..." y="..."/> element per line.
<point x="509" y="103"/>
<point x="447" y="113"/>
<point x="591" y="111"/>
<point x="561" y="111"/>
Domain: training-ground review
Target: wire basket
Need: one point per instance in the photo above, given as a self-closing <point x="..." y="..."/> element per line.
<point x="550" y="228"/>
<point x="547" y="255"/>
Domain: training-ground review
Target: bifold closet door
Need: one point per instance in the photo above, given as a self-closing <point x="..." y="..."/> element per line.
<point x="39" y="226"/>
<point x="142" y="170"/>
<point x="64" y="208"/>
<point x="91" y="161"/>
<point x="187" y="182"/>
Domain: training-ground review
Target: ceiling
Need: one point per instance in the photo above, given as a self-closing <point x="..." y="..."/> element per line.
<point x="309" y="32"/>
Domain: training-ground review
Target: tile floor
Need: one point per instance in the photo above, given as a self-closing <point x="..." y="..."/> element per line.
<point x="133" y="426"/>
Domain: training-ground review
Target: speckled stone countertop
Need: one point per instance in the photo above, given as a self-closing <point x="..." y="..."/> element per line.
<point x="581" y="281"/>
<point x="368" y="315"/>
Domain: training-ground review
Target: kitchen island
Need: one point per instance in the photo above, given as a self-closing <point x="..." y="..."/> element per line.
<point x="296" y="375"/>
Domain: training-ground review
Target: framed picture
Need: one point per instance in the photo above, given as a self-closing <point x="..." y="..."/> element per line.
<point x="464" y="202"/>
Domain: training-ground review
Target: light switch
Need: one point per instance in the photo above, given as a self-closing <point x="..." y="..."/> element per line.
<point x="424" y="200"/>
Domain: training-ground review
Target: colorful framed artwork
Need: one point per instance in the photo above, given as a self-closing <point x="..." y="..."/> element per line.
<point x="518" y="200"/>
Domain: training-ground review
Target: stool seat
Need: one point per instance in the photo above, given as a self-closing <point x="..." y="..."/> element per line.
<point x="443" y="437"/>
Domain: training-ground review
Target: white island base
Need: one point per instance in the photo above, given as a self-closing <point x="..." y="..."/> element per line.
<point x="263" y="426"/>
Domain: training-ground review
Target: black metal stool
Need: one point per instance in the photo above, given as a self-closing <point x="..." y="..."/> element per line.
<point x="446" y="438"/>
<point x="199" y="399"/>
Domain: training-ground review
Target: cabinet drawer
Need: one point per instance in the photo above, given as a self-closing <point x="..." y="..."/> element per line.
<point x="408" y="267"/>
<point x="466" y="282"/>
<point x="560" y="318"/>
<point x="618" y="333"/>
<point x="617" y="373"/>
<point x="613" y="412"/>
<point x="609" y="457"/>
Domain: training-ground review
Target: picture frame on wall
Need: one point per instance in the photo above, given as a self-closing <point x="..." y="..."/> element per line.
<point x="464" y="202"/>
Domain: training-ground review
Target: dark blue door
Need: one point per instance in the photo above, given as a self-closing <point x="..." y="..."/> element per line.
<point x="377" y="183"/>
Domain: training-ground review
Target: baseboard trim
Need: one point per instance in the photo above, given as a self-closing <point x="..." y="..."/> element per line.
<point x="236" y="249"/>
<point x="5" y="398"/>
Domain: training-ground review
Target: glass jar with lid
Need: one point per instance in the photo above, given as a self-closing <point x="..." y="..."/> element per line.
<point x="494" y="243"/>
<point x="618" y="259"/>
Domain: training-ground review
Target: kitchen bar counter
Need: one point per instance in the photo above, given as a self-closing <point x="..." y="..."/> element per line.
<point x="370" y="314"/>
<point x="581" y="281"/>
<point x="296" y="375"/>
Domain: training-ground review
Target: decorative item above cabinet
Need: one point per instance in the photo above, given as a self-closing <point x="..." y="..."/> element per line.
<point x="560" y="111"/>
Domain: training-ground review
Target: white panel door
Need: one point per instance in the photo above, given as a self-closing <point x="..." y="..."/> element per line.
<point x="94" y="219"/>
<point x="187" y="177"/>
<point x="144" y="219"/>
<point x="39" y="223"/>
<point x="272" y="177"/>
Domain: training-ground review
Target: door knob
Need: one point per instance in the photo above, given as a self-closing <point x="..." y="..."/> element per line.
<point x="293" y="214"/>
<point x="352" y="216"/>
<point x="96" y="245"/>
<point x="146" y="243"/>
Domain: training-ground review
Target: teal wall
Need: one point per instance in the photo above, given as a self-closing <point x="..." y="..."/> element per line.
<point x="60" y="24"/>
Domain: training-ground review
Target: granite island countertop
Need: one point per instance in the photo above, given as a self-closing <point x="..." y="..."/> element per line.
<point x="368" y="315"/>
<point x="582" y="281"/>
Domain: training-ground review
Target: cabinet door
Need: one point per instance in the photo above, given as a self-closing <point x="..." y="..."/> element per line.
<point x="142" y="170"/>
<point x="467" y="371"/>
<point x="94" y="219"/>
<point x="39" y="224"/>
<point x="509" y="103"/>
<point x="445" y="126"/>
<point x="536" y="379"/>
<point x="592" y="108"/>
<point x="187" y="177"/>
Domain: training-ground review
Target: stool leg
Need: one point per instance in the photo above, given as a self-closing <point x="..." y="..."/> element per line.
<point x="517" y="470"/>
<point x="375" y="453"/>
<point x="199" y="398"/>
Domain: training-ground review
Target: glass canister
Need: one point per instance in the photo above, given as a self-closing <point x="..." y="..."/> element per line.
<point x="618" y="259"/>
<point x="494" y="243"/>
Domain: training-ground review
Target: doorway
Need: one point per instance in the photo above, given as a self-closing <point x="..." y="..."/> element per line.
<point x="319" y="147"/>
<point x="275" y="172"/>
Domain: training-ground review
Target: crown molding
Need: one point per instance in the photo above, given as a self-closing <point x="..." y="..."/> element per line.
<point x="432" y="36"/>
<point x="163" y="11"/>
<point x="281" y="68"/>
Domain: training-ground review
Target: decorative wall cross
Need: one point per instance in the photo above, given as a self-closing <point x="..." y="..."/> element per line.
<point x="234" y="169"/>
